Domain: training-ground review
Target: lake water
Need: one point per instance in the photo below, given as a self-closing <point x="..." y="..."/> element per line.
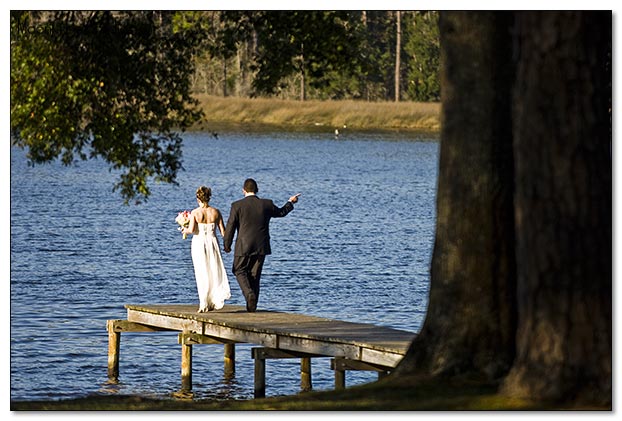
<point x="357" y="247"/>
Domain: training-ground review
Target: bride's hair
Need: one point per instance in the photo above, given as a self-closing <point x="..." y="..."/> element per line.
<point x="204" y="194"/>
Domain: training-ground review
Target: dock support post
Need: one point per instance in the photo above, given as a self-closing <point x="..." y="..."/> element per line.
<point x="114" y="347"/>
<point x="186" y="367"/>
<point x="305" y="374"/>
<point x="260" y="355"/>
<point x="229" y="360"/>
<point x="341" y="365"/>
<point x="114" y="328"/>
<point x="260" y="378"/>
<point x="340" y="379"/>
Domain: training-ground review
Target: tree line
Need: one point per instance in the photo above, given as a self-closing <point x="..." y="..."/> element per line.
<point x="366" y="55"/>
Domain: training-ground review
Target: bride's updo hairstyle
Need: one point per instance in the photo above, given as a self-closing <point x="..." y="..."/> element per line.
<point x="204" y="194"/>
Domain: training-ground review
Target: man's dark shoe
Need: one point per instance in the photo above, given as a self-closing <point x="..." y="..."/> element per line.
<point x="251" y="304"/>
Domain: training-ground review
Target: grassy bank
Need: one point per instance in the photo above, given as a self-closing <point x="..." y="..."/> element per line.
<point x="406" y="394"/>
<point x="310" y="115"/>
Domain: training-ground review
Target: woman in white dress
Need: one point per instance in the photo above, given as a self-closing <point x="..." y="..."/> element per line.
<point x="209" y="269"/>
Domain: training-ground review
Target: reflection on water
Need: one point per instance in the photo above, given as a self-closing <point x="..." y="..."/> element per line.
<point x="357" y="247"/>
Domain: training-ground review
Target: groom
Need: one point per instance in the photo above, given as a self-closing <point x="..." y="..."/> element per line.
<point x="251" y="218"/>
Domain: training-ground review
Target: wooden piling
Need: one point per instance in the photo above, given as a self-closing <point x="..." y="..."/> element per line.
<point x="340" y="379"/>
<point x="186" y="367"/>
<point x="229" y="360"/>
<point x="305" y="374"/>
<point x="114" y="347"/>
<point x="341" y="365"/>
<point x="260" y="378"/>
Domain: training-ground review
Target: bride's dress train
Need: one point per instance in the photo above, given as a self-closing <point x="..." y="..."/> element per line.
<point x="209" y="269"/>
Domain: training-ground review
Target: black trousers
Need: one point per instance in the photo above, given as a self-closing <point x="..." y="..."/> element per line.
<point x="247" y="270"/>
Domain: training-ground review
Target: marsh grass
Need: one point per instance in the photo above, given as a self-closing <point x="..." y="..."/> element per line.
<point x="355" y="115"/>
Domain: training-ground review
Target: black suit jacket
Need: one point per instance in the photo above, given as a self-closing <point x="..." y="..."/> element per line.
<point x="251" y="218"/>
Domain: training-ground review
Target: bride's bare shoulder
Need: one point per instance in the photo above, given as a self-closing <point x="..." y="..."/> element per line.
<point x="213" y="212"/>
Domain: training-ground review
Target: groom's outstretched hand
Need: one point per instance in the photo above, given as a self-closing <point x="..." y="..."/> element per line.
<point x="294" y="198"/>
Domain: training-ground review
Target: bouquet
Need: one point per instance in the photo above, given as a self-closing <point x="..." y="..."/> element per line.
<point x="183" y="219"/>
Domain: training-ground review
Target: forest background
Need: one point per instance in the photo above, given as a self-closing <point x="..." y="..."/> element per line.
<point x="321" y="55"/>
<point x="335" y="69"/>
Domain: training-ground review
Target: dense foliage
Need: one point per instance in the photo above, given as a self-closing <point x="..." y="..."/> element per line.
<point x="423" y="49"/>
<point x="102" y="84"/>
<point x="319" y="55"/>
<point x="119" y="85"/>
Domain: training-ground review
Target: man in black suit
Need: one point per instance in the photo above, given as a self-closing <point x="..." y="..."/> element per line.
<point x="251" y="218"/>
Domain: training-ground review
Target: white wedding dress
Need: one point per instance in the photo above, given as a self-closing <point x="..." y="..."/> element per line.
<point x="209" y="269"/>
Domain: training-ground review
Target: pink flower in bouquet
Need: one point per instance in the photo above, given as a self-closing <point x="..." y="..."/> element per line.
<point x="183" y="219"/>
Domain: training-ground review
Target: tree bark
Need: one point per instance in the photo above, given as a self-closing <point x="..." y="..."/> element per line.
<point x="563" y="207"/>
<point x="470" y="323"/>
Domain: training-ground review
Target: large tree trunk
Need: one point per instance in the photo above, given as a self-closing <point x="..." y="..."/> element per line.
<point x="546" y="257"/>
<point x="563" y="207"/>
<point x="470" y="323"/>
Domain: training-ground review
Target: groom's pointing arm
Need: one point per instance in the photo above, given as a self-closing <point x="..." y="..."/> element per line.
<point x="287" y="208"/>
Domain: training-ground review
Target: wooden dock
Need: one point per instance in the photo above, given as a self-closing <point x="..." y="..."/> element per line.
<point x="352" y="346"/>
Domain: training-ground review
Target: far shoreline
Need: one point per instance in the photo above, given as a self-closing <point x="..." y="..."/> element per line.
<point x="262" y="114"/>
<point x="218" y="129"/>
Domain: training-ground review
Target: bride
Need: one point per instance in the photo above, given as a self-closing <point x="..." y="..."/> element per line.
<point x="209" y="270"/>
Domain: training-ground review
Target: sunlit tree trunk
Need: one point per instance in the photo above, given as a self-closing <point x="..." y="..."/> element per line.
<point x="398" y="50"/>
<point x="563" y="206"/>
<point x="224" y="76"/>
<point x="303" y="81"/>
